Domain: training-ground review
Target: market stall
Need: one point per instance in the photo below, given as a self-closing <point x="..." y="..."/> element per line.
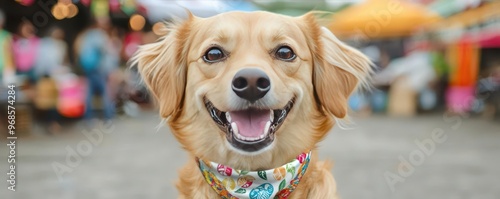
<point x="374" y="19"/>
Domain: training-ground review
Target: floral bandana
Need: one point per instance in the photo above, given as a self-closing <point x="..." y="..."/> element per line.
<point x="275" y="183"/>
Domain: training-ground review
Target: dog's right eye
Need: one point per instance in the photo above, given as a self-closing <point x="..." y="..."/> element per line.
<point x="213" y="55"/>
<point x="285" y="53"/>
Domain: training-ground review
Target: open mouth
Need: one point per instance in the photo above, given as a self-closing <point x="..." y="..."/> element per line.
<point x="252" y="129"/>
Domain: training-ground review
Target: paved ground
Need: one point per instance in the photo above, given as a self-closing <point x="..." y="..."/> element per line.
<point x="134" y="161"/>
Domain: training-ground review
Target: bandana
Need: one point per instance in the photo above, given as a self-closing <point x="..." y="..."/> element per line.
<point x="275" y="183"/>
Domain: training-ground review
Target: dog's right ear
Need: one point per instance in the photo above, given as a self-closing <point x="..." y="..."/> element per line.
<point x="163" y="66"/>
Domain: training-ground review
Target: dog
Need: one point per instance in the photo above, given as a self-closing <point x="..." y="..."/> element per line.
<point x="249" y="95"/>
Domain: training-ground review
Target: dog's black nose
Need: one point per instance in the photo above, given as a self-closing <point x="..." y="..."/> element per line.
<point x="251" y="84"/>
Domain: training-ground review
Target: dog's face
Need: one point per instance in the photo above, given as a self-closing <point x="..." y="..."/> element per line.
<point x="251" y="90"/>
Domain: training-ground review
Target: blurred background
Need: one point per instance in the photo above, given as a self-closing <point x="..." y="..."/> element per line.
<point x="88" y="128"/>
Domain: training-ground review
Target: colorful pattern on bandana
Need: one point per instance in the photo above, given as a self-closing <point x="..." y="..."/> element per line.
<point x="275" y="183"/>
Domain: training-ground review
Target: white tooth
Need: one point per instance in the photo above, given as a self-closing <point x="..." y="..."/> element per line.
<point x="235" y="129"/>
<point x="228" y="117"/>
<point x="271" y="116"/>
<point x="266" y="129"/>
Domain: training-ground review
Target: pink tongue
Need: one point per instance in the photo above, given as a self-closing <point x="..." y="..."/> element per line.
<point x="251" y="123"/>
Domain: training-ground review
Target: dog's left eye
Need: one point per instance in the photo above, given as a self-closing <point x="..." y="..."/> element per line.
<point x="214" y="55"/>
<point x="285" y="53"/>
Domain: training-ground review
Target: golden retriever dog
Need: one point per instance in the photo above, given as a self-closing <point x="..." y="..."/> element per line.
<point x="251" y="91"/>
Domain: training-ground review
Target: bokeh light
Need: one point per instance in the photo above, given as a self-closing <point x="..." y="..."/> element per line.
<point x="60" y="11"/>
<point x="159" y="28"/>
<point x="137" y="22"/>
<point x="72" y="10"/>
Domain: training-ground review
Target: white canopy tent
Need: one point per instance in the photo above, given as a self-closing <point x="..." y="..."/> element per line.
<point x="167" y="9"/>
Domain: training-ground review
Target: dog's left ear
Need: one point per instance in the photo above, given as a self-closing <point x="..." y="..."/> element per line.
<point x="338" y="68"/>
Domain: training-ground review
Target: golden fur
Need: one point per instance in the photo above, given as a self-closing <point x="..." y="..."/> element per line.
<point x="321" y="79"/>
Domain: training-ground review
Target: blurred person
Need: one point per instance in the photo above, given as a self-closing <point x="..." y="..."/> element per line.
<point x="46" y="102"/>
<point x="409" y="77"/>
<point x="45" y="70"/>
<point x="72" y="93"/>
<point x="442" y="69"/>
<point x="47" y="63"/>
<point x="112" y="62"/>
<point x="489" y="87"/>
<point x="7" y="69"/>
<point x="25" y="50"/>
<point x="92" y="49"/>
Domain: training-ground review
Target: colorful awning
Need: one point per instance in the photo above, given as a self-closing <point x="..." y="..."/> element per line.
<point x="381" y="19"/>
